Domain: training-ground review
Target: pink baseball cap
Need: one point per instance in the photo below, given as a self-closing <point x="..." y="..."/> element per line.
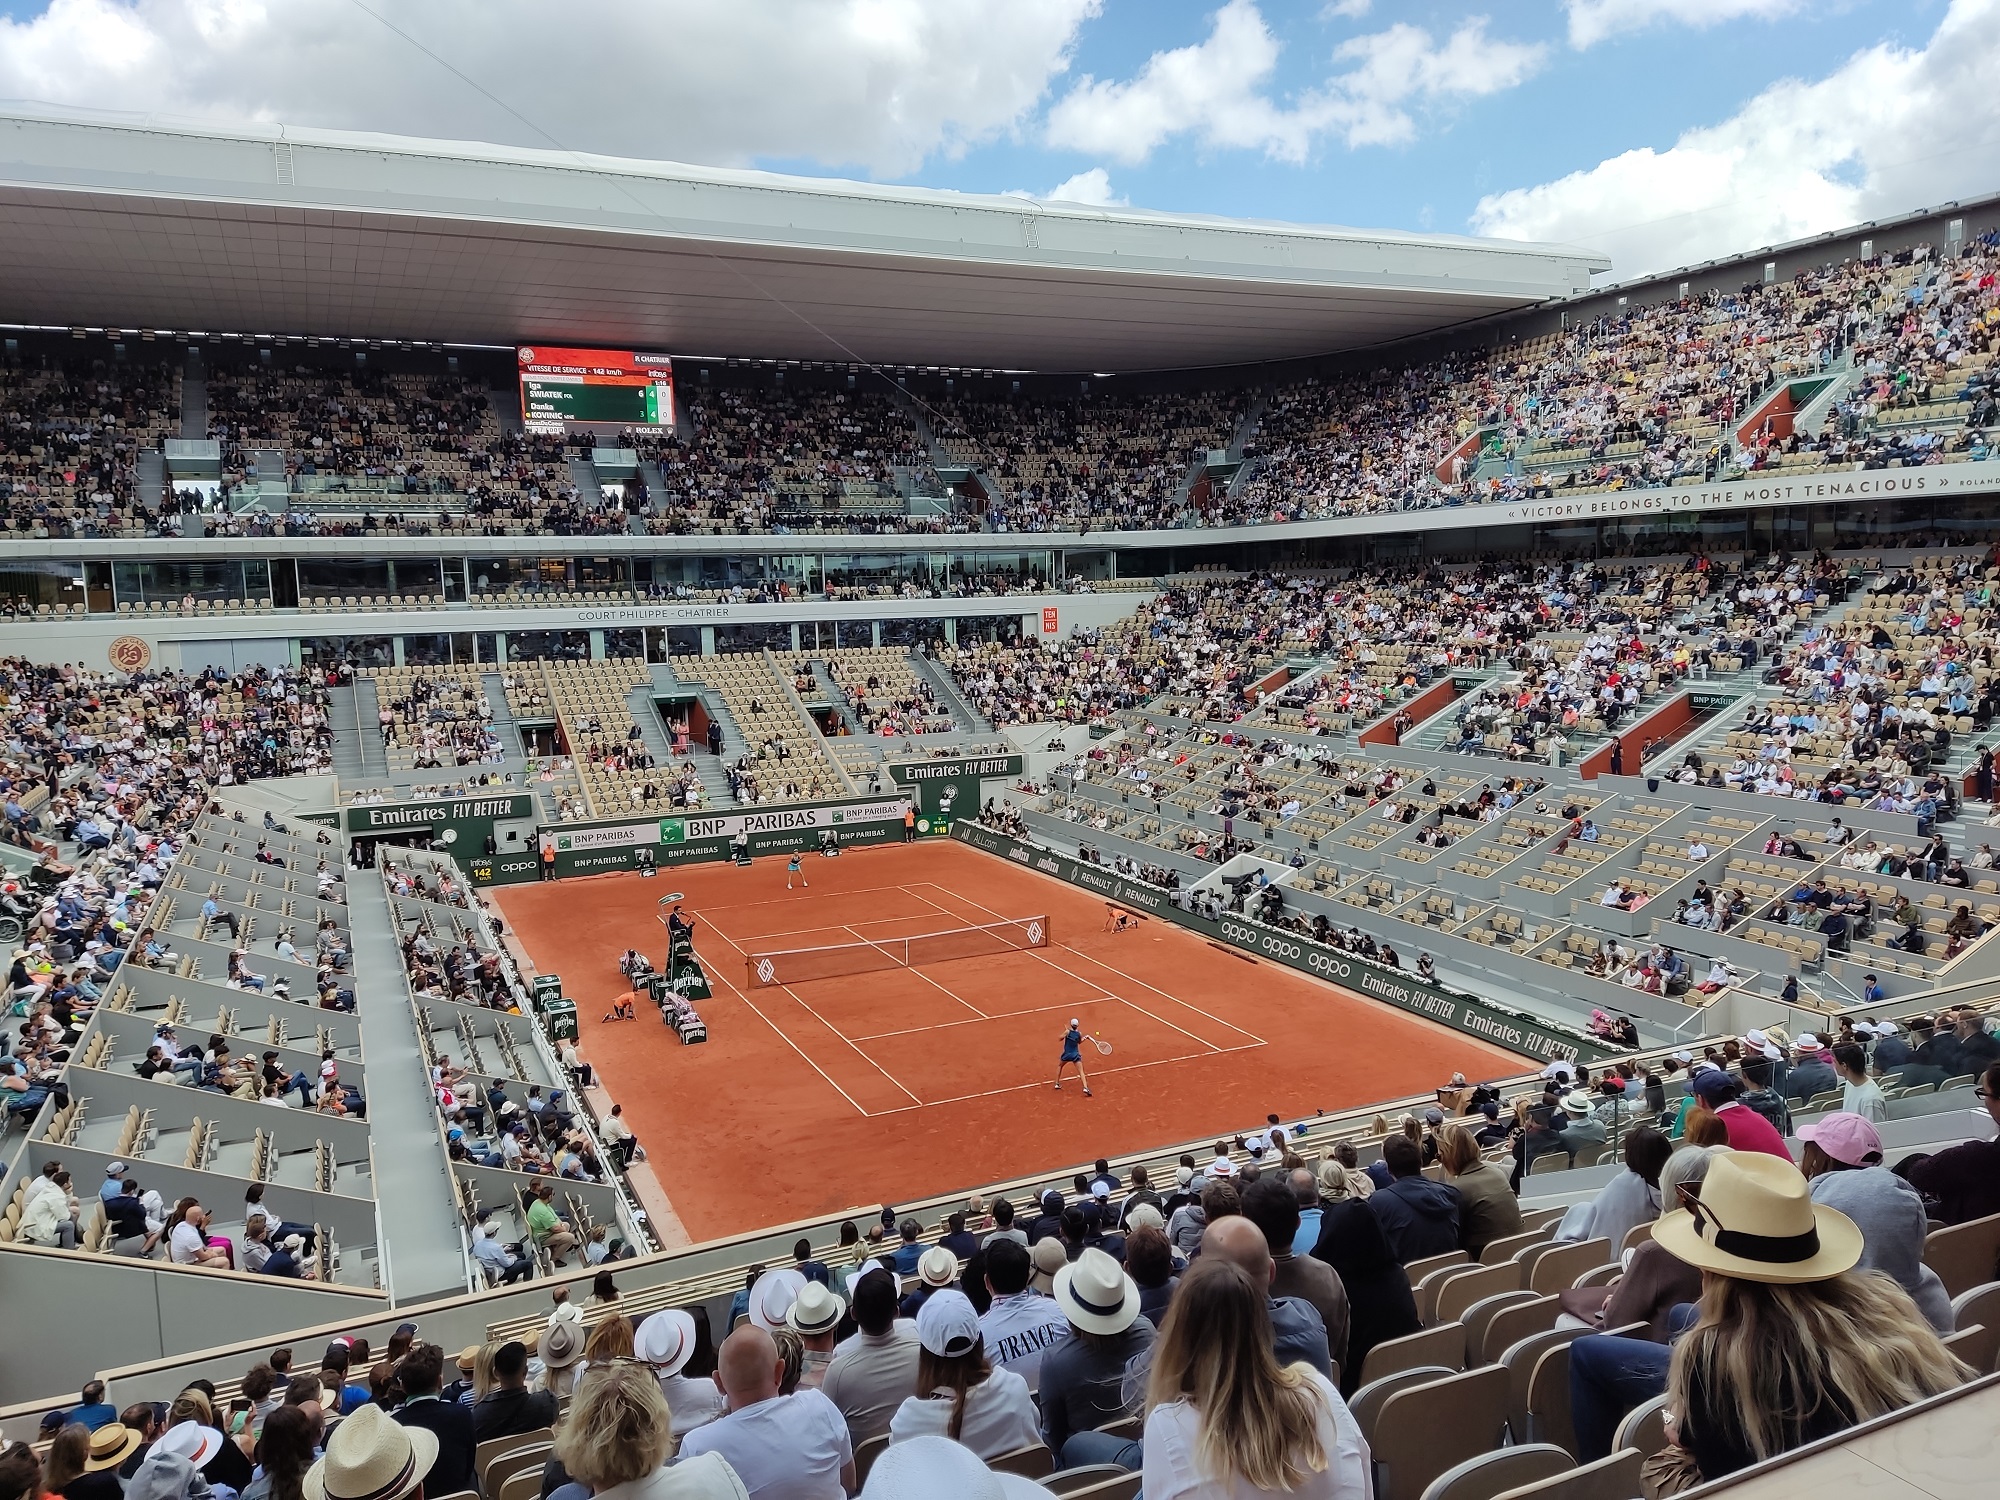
<point x="1846" y="1138"/>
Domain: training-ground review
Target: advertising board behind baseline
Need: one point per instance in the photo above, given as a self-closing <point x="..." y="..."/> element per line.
<point x="603" y="848"/>
<point x="1490" y="1023"/>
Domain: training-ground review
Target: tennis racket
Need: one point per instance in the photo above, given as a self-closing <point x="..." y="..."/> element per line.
<point x="1102" y="1046"/>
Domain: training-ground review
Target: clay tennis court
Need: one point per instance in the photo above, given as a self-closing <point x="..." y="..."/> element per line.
<point x="865" y="1088"/>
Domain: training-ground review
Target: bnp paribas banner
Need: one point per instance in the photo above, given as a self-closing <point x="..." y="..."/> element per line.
<point x="1516" y="1031"/>
<point x="691" y="838"/>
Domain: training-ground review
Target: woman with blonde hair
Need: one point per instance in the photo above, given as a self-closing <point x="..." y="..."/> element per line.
<point x="483" y="1378"/>
<point x="618" y="1437"/>
<point x="1792" y="1343"/>
<point x="1223" y="1422"/>
<point x="1487" y="1207"/>
<point x="608" y="1341"/>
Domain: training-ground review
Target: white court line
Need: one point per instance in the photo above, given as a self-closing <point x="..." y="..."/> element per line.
<point x="1021" y="1088"/>
<point x="824" y="927"/>
<point x="948" y="993"/>
<point x="1042" y="954"/>
<point x="1037" y="1010"/>
<point x="1129" y="978"/>
<point x="822" y="1021"/>
<point x="789" y="1042"/>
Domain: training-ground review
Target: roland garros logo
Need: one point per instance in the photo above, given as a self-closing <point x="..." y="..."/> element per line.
<point x="130" y="654"/>
<point x="766" y="971"/>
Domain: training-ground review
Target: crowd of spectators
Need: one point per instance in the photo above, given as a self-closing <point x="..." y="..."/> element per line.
<point x="70" y="437"/>
<point x="1643" y="398"/>
<point x="1087" y="462"/>
<point x="1206" y="1332"/>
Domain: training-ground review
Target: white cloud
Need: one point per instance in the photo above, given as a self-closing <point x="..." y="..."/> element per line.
<point x="1402" y="65"/>
<point x="1345" y="10"/>
<point x="1892" y="130"/>
<point x="1217" y="90"/>
<point x="1594" y="21"/>
<point x="1092" y="187"/>
<point x="882" y="85"/>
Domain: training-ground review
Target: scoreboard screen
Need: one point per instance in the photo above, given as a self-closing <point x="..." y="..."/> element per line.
<point x="561" y="388"/>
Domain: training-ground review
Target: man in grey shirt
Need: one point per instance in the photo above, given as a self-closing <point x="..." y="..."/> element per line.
<point x="875" y="1371"/>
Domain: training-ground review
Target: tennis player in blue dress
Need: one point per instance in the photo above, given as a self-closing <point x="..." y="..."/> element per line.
<point x="1072" y="1057"/>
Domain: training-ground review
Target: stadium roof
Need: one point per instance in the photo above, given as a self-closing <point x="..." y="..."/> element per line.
<point x="124" y="222"/>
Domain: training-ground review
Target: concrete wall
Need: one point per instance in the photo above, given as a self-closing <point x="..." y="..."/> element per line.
<point x="67" y="1315"/>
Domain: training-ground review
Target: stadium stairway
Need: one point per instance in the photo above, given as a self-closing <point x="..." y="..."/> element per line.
<point x="652" y="728"/>
<point x="709" y="768"/>
<point x="502" y="722"/>
<point x="349" y="759"/>
<point x="656" y="485"/>
<point x="506" y="404"/>
<point x="949" y="696"/>
<point x="831" y="691"/>
<point x="423" y="1248"/>
<point x="152" y="478"/>
<point x="194" y="400"/>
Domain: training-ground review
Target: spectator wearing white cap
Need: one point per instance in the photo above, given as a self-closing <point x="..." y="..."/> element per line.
<point x="874" y="1371"/>
<point x="815" y="1315"/>
<point x="961" y="1394"/>
<point x="1020" y="1326"/>
<point x="114" y="1182"/>
<point x="1843" y="1163"/>
<point x="1083" y="1378"/>
<point x="1811" y="1072"/>
<point x="667" y="1340"/>
<point x="792" y="1447"/>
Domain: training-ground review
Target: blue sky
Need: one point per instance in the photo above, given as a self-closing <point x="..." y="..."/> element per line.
<point x="1579" y="108"/>
<point x="1658" y="131"/>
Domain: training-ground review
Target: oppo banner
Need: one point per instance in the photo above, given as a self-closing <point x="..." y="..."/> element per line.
<point x="1526" y="1035"/>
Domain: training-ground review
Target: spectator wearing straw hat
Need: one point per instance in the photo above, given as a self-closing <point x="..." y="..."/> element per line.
<point x="108" y="1447"/>
<point x="937" y="1269"/>
<point x="370" y="1456"/>
<point x="667" y="1340"/>
<point x="772" y="1295"/>
<point x="1083" y="1378"/>
<point x="815" y="1317"/>
<point x="961" y="1394"/>
<point x="1829" y="1346"/>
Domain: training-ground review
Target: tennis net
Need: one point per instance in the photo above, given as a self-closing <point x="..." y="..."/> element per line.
<point x="800" y="965"/>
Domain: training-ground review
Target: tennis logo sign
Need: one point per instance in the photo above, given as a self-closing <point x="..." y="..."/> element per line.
<point x="766" y="971"/>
